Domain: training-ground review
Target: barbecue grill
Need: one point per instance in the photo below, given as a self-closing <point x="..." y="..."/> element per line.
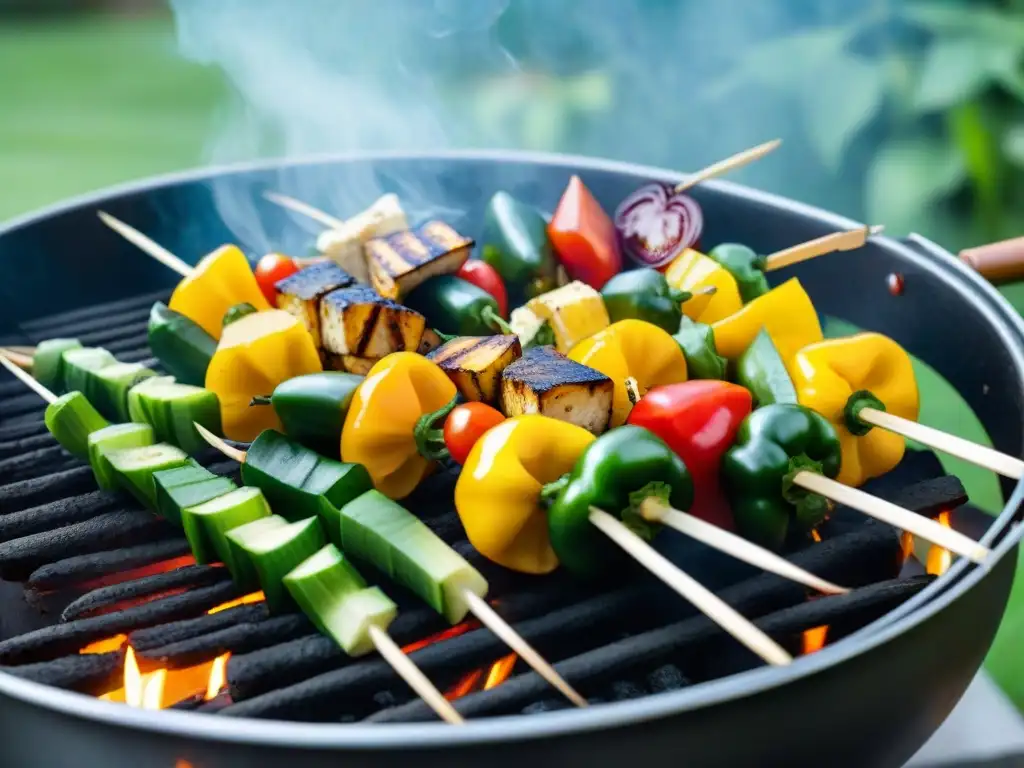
<point x="97" y="590"/>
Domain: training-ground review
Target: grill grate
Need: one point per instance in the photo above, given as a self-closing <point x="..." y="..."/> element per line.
<point x="59" y="535"/>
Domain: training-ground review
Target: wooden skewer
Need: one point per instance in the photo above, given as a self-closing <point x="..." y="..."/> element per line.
<point x="414" y="676"/>
<point x="980" y="455"/>
<point x="887" y="512"/>
<point x="730" y="163"/>
<point x="19" y="350"/>
<point x="151" y="247"/>
<point x="305" y="209"/>
<point x="819" y="246"/>
<point x="23" y="361"/>
<point x="696" y="593"/>
<point x="657" y="511"/>
<point x="28" y="380"/>
<point x="488" y="617"/>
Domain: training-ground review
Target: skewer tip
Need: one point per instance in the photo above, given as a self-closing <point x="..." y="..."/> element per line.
<point x="228" y="450"/>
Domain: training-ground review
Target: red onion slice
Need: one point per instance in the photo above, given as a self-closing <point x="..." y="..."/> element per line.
<point x="655" y="225"/>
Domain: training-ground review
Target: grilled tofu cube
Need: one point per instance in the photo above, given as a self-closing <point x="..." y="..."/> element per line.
<point x="345" y="245"/>
<point x="429" y="342"/>
<point x="546" y="382"/>
<point x="400" y="262"/>
<point x="300" y="294"/>
<point x="475" y="364"/>
<point x="575" y="312"/>
<point x="359" y="321"/>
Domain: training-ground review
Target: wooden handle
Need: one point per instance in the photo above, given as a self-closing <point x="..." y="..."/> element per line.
<point x="999" y="262"/>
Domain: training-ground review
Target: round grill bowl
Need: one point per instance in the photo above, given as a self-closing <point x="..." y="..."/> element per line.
<point x="872" y="698"/>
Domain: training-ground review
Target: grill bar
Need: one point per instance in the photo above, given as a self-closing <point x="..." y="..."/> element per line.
<point x="56" y="514"/>
<point x="103" y="598"/>
<point x="75" y="570"/>
<point x="92" y="673"/>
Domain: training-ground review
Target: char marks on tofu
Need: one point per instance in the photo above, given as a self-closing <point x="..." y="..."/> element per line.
<point x="401" y="261"/>
<point x="300" y="294"/>
<point x="358" y="321"/>
<point x="546" y="382"/>
<point x="475" y="364"/>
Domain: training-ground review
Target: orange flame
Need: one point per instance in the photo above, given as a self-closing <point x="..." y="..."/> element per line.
<point x="458" y="629"/>
<point x="500" y="671"/>
<point x="252" y="597"/>
<point x="137" y="573"/>
<point x="939" y="559"/>
<point x="814" y="639"/>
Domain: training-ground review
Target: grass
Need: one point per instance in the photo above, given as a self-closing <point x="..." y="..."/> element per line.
<point x="104" y="100"/>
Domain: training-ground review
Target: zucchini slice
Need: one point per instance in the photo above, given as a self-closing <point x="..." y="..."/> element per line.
<point x="108" y="388"/>
<point x="172" y="408"/>
<point x="187" y="486"/>
<point x="135" y="467"/>
<point x="71" y="419"/>
<point x="330" y="591"/>
<point x="273" y="547"/>
<point x="382" y="532"/>
<point x="116" y="437"/>
<point x="78" y="364"/>
<point x="207" y="524"/>
<point x="48" y="362"/>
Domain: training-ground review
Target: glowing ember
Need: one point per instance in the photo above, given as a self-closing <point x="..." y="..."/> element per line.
<point x="107" y="645"/>
<point x="458" y="629"/>
<point x="500" y="671"/>
<point x="907" y="544"/>
<point x="939" y="559"/>
<point x="218" y="676"/>
<point x="253" y="597"/>
<point x="814" y="639"/>
<point x="137" y="573"/>
<point x="466" y="685"/>
<point x="815" y="535"/>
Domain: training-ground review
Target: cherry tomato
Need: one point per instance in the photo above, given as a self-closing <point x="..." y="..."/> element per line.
<point x="483" y="275"/>
<point x="465" y="425"/>
<point x="270" y="269"/>
<point x="584" y="237"/>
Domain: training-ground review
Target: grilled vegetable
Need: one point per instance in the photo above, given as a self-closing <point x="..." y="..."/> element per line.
<point x="697" y="341"/>
<point x="635" y="350"/>
<point x="644" y="294"/>
<point x="761" y="370"/>
<point x="484" y="276"/>
<point x="381" y="425"/>
<point x="274" y="547"/>
<point x="206" y="526"/>
<point x="838" y="377"/>
<point x="358" y="321"/>
<point x="345" y="245"/>
<point x="691" y="271"/>
<point x="546" y="382"/>
<point x="270" y="270"/>
<point x="498" y="493"/>
<point x="453" y="306"/>
<point x="220" y="280"/>
<point x="584" y="237"/>
<point x="299" y="483"/>
<point x="431" y="340"/>
<point x="515" y="242"/>
<point x="379" y="531"/>
<point x="71" y="419"/>
<point x="302" y="293"/>
<point x="772" y="445"/>
<point x="401" y="261"/>
<point x="255" y="355"/>
<point x="108" y="388"/>
<point x="357" y="366"/>
<point x="172" y="409"/>
<point x="135" y="467"/>
<point x="79" y="364"/>
<point x="48" y="362"/>
<point x="182" y="347"/>
<point x="532" y="330"/>
<point x="466" y="424"/>
<point x="746" y="267"/>
<point x="656" y="223"/>
<point x="187" y="486"/>
<point x="474" y="364"/>
<point x="335" y="598"/>
<point x="575" y="312"/>
<point x="116" y="437"/>
<point x="615" y="473"/>
<point x="237" y="312"/>
<point x="312" y="408"/>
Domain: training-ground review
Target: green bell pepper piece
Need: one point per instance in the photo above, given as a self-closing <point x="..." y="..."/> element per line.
<point x="644" y="294"/>
<point x="312" y="408"/>
<point x="760" y="369"/>
<point x="456" y="307"/>
<point x="515" y="242"/>
<point x="616" y="473"/>
<point x="181" y="345"/>
<point x="746" y="267"/>
<point x="772" y="445"/>
<point x="697" y="341"/>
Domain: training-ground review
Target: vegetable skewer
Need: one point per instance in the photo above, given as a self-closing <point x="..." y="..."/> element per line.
<point x="819" y="246"/>
<point x="146" y="244"/>
<point x="733" y="162"/>
<point x="475" y="604"/>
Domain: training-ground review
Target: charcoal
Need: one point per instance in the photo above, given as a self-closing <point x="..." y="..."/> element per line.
<point x="22" y="429"/>
<point x="927" y="498"/>
<point x="39" y="463"/>
<point x="667" y="678"/>
<point x="60" y="639"/>
<point x="80" y="568"/>
<point x="623" y="690"/>
<point x="191" y="704"/>
<point x="56" y="514"/>
<point x="16" y="447"/>
<point x="92" y="673"/>
<point x="20" y="557"/>
<point x="39" y="490"/>
<point x="546" y="705"/>
<point x="385" y="699"/>
<point x="105" y="597"/>
<point x="27" y="402"/>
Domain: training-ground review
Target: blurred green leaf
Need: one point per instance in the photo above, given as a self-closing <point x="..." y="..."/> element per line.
<point x="970" y="18"/>
<point x="1013" y="144"/>
<point x="958" y="69"/>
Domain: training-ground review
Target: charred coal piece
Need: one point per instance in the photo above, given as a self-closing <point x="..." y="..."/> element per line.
<point x="37" y="463"/>
<point x="80" y="568"/>
<point x="22" y="429"/>
<point x="19" y="405"/>
<point x="39" y="490"/>
<point x="189" y="577"/>
<point x="17" y="447"/>
<point x="927" y="498"/>
<point x="61" y="639"/>
<point x="56" y="514"/>
<point x="92" y="673"/>
<point x="20" y="557"/>
<point x="145" y="640"/>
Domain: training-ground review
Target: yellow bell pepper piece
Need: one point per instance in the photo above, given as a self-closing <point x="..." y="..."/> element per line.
<point x="379" y="427"/>
<point x="220" y="281"/>
<point x="785" y="312"/>
<point x="255" y="354"/>
<point x="498" y="493"/>
<point x="692" y="270"/>
<point x="632" y="348"/>
<point x="828" y="373"/>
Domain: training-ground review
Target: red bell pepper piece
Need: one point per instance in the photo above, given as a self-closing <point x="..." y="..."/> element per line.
<point x="698" y="420"/>
<point x="584" y="237"/>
